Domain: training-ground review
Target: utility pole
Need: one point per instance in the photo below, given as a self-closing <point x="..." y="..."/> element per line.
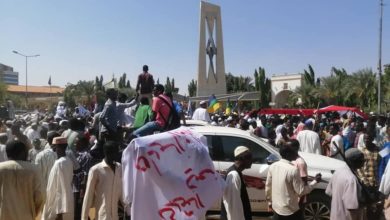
<point x="380" y="57"/>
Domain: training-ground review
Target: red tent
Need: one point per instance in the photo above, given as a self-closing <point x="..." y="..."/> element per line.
<point x="283" y="111"/>
<point x="341" y="110"/>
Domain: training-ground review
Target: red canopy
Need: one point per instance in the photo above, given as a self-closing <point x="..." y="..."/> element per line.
<point x="341" y="109"/>
<point x="283" y="111"/>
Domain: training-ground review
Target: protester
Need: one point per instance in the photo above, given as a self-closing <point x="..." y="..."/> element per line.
<point x="104" y="187"/>
<point x="201" y="112"/>
<point x="3" y="152"/>
<point x="235" y="202"/>
<point x="385" y="189"/>
<point x="309" y="141"/>
<point x="59" y="201"/>
<point x="368" y="173"/>
<point x="46" y="158"/>
<point x="161" y="108"/>
<point x="85" y="160"/>
<point x="336" y="145"/>
<point x="18" y="135"/>
<point x="109" y="117"/>
<point x="345" y="189"/>
<point x="143" y="114"/>
<point x="21" y="194"/>
<point x="145" y="83"/>
<point x="121" y="105"/>
<point x="284" y="186"/>
<point x="32" y="153"/>
<point x="282" y="138"/>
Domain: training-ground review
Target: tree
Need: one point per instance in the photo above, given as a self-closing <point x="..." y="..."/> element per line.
<point x="263" y="85"/>
<point x="128" y="84"/>
<point x="309" y="76"/>
<point x="3" y="91"/>
<point x="192" y="88"/>
<point x="362" y="87"/>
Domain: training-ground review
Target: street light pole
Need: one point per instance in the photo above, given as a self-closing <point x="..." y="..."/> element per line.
<point x="380" y="57"/>
<point x="26" y="56"/>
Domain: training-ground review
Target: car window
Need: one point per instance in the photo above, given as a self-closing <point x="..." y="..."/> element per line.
<point x="215" y="149"/>
<point x="229" y="143"/>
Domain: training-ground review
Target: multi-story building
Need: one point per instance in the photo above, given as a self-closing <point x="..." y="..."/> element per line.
<point x="8" y="76"/>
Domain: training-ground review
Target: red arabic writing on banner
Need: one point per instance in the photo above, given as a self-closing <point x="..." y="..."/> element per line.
<point x="200" y="177"/>
<point x="181" y="204"/>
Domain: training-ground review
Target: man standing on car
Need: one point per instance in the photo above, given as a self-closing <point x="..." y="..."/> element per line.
<point x="284" y="185"/>
<point x="345" y="189"/>
<point x="235" y="202"/>
<point x="145" y="83"/>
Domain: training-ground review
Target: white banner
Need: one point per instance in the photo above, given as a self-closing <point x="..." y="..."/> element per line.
<point x="170" y="176"/>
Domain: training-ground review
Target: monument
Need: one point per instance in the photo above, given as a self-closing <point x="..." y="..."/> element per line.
<point x="211" y="66"/>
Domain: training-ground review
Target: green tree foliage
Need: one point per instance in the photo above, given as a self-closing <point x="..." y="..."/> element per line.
<point x="309" y="76"/>
<point x="239" y="83"/>
<point x="192" y="88"/>
<point x="3" y="91"/>
<point x="170" y="86"/>
<point x="123" y="83"/>
<point x="263" y="85"/>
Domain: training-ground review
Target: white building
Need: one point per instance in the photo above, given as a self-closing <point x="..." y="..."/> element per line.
<point x="282" y="86"/>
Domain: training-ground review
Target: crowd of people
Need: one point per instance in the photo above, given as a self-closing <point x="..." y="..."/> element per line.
<point x="61" y="164"/>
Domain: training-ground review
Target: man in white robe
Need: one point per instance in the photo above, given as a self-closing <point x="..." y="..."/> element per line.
<point x="309" y="141"/>
<point x="59" y="201"/>
<point x="201" y="113"/>
<point x="104" y="187"/>
<point x="46" y="158"/>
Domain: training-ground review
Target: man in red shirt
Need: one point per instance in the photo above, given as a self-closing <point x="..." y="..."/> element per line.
<point x="161" y="107"/>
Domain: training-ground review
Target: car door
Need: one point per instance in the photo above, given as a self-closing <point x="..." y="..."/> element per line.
<point x="254" y="177"/>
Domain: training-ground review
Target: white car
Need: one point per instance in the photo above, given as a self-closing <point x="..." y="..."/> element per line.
<point x="222" y="141"/>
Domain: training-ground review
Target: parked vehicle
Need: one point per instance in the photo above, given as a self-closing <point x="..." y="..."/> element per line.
<point x="222" y="141"/>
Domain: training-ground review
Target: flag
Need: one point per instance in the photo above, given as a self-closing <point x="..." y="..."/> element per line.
<point x="213" y="104"/>
<point x="228" y="107"/>
<point x="49" y="81"/>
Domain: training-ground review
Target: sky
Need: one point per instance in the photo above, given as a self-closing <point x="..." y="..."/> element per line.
<point x="77" y="40"/>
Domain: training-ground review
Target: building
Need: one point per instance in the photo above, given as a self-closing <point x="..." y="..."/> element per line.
<point x="282" y="86"/>
<point x="8" y="76"/>
<point x="38" y="96"/>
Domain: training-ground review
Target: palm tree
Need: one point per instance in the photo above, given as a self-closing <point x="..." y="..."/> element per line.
<point x="309" y="76"/>
<point x="363" y="86"/>
<point x="308" y="94"/>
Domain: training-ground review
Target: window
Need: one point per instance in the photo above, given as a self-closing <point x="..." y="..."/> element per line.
<point x="229" y="143"/>
<point x="215" y="149"/>
<point x="285" y="85"/>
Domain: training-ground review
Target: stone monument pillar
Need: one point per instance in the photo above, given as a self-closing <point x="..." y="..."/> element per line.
<point x="211" y="66"/>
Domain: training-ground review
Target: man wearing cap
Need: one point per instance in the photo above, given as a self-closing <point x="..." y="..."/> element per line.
<point x="201" y="112"/>
<point x="59" y="202"/>
<point x="309" y="140"/>
<point x="344" y="188"/>
<point x="284" y="185"/>
<point x="235" y="202"/>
